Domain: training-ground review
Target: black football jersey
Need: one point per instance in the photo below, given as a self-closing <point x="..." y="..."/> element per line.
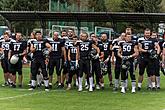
<point x="39" y="46"/>
<point x="56" y="47"/>
<point x="73" y="52"/>
<point x="147" y="44"/>
<point x="127" y="48"/>
<point x="17" y="47"/>
<point x="106" y="47"/>
<point x="85" y="48"/>
<point x="5" y="45"/>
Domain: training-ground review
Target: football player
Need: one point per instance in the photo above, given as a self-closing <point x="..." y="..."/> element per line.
<point x="96" y="69"/>
<point x="18" y="49"/>
<point x="128" y="50"/>
<point x="85" y="46"/>
<point x="55" y="59"/>
<point x="117" y="63"/>
<point x="73" y="58"/>
<point x="149" y="50"/>
<point x="4" y="50"/>
<point x="107" y="48"/>
<point x="39" y="60"/>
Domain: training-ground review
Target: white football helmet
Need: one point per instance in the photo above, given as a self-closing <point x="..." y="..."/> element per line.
<point x="14" y="59"/>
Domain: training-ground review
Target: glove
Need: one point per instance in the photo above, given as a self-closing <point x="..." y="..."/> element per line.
<point x="65" y="63"/>
<point x="149" y="51"/>
<point x="125" y="57"/>
<point x="96" y="56"/>
<point x="106" y="61"/>
<point x="18" y="55"/>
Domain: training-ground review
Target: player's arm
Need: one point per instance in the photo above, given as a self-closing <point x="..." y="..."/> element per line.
<point x="119" y="53"/>
<point x="64" y="52"/>
<point x="32" y="48"/>
<point x="97" y="48"/>
<point x="157" y="47"/>
<point x="69" y="59"/>
<point x="113" y="57"/>
<point x="136" y="52"/>
<point x="140" y="48"/>
<point x="49" y="47"/>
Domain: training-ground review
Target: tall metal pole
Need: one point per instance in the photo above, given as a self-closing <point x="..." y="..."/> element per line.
<point x="50" y="6"/>
<point x="78" y="22"/>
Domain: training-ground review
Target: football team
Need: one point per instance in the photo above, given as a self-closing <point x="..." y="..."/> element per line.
<point x="73" y="56"/>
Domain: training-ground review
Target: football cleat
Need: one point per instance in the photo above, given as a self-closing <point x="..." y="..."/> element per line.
<point x="123" y="90"/>
<point x="90" y="89"/>
<point x="97" y="87"/>
<point x="47" y="89"/>
<point x="133" y="90"/>
<point x="80" y="88"/>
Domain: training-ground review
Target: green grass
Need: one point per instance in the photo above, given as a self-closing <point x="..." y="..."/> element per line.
<point x="22" y="99"/>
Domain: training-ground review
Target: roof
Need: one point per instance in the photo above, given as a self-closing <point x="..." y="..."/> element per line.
<point x="82" y="16"/>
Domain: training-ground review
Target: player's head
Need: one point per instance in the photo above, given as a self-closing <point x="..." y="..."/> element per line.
<point x="93" y="37"/>
<point x="128" y="37"/>
<point x="147" y="33"/>
<point x="128" y="30"/>
<point x="6" y="36"/>
<point x="154" y="35"/>
<point x="63" y="33"/>
<point x="122" y="36"/>
<point x="104" y="37"/>
<point x="55" y="35"/>
<point x="18" y="36"/>
<point x="83" y="36"/>
<point x="32" y="35"/>
<point x="70" y="33"/>
<point x="38" y="35"/>
<point x="75" y="38"/>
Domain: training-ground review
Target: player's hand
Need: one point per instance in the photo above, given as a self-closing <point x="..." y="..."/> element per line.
<point x="107" y="60"/>
<point x="46" y="61"/>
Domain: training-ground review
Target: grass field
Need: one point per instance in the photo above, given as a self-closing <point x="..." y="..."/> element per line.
<point x="22" y="99"/>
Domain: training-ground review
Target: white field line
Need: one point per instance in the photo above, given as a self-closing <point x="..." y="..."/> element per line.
<point x="30" y="94"/>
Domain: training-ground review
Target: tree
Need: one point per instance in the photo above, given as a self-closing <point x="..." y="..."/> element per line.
<point x="24" y="5"/>
<point x="145" y="6"/>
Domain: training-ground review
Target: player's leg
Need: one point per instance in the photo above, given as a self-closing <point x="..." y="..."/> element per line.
<point x="34" y="70"/>
<point x="20" y="75"/>
<point x="51" y="66"/>
<point x="89" y="73"/>
<point x="4" y="65"/>
<point x="123" y="79"/>
<point x="152" y="71"/>
<point x="117" y="74"/>
<point x="109" y="73"/>
<point x="157" y="74"/>
<point x="132" y="75"/>
<point x="45" y="74"/>
<point x="58" y="63"/>
<point x="142" y="66"/>
<point x="80" y="75"/>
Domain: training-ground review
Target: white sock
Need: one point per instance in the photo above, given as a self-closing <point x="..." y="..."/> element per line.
<point x="86" y="82"/>
<point x="157" y="81"/>
<point x="91" y="81"/>
<point x="149" y="82"/>
<point x="46" y="82"/>
<point x="126" y="83"/>
<point x="116" y="83"/>
<point x="69" y="85"/>
<point x="80" y="82"/>
<point x="140" y="85"/>
<point x="134" y="84"/>
<point x="153" y="84"/>
<point x="33" y="83"/>
<point x="76" y="82"/>
<point x="102" y="84"/>
<point x="123" y="84"/>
